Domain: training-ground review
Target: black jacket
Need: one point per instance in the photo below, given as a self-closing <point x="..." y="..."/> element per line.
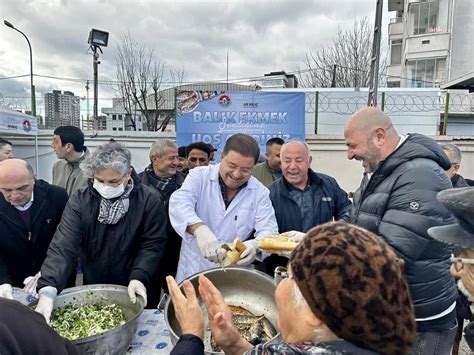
<point x="329" y="201"/>
<point x="458" y="181"/>
<point x="169" y="262"/>
<point x="22" y="253"/>
<point x="113" y="254"/>
<point x="24" y="331"/>
<point x="399" y="204"/>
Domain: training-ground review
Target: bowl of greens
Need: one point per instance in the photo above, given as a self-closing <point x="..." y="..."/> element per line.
<point x="98" y="318"/>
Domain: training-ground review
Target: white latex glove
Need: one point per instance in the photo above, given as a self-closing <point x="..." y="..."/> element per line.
<point x="135" y="288"/>
<point x="209" y="245"/>
<point x="6" y="291"/>
<point x="295" y="236"/>
<point x="30" y="284"/>
<point x="249" y="254"/>
<point x="46" y="301"/>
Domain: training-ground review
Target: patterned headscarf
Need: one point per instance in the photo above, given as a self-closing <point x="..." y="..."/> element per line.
<point x="354" y="283"/>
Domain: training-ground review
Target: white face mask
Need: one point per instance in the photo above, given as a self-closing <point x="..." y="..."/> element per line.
<point x="108" y="192"/>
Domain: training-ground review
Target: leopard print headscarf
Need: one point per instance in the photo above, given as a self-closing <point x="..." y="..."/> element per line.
<point x="354" y="283"/>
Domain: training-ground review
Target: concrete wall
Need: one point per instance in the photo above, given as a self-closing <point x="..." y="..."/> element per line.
<point x="328" y="152"/>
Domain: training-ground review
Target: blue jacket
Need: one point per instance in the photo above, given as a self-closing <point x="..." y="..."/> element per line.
<point x="329" y="202"/>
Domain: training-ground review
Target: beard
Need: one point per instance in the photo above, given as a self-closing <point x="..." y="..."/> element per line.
<point x="372" y="157"/>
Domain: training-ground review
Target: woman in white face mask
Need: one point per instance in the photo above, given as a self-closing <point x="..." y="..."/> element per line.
<point x="116" y="226"/>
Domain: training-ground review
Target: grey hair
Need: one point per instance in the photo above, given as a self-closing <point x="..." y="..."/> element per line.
<point x="158" y="147"/>
<point x="454" y="152"/>
<point x="111" y="155"/>
<point x="298" y="299"/>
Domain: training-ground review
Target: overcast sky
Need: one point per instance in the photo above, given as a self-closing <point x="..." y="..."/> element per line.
<point x="260" y="36"/>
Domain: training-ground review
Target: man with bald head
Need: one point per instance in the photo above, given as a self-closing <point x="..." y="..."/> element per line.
<point x="30" y="211"/>
<point x="397" y="201"/>
<point x="303" y="198"/>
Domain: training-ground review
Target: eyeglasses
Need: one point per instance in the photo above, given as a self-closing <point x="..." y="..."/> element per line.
<point x="281" y="273"/>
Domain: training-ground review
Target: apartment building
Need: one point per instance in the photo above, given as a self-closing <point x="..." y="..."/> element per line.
<point x="118" y="119"/>
<point x="61" y="109"/>
<point x="430" y="42"/>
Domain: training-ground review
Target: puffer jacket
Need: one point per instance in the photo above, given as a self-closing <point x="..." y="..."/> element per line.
<point x="21" y="251"/>
<point x="399" y="204"/>
<point x="113" y="254"/>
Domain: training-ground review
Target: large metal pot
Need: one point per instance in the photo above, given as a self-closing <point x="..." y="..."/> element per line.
<point x="245" y="287"/>
<point x="115" y="341"/>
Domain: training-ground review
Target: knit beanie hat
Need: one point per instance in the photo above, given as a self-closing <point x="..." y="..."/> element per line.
<point x="354" y="283"/>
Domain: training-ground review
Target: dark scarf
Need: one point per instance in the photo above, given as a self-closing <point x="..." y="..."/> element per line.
<point x="165" y="185"/>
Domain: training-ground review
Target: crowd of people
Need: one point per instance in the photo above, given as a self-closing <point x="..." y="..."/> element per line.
<point x="371" y="275"/>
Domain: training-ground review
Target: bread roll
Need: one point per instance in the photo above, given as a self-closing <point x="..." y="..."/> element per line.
<point x="276" y="243"/>
<point x="234" y="255"/>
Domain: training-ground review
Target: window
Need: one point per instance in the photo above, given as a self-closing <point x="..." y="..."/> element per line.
<point x="120" y="117"/>
<point x="428" y="17"/>
<point x="396" y="52"/>
<point x="114" y="128"/>
<point x="120" y="129"/>
<point x="425" y="73"/>
<point x="114" y="117"/>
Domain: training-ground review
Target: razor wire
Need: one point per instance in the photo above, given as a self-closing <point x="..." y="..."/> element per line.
<point x="347" y="105"/>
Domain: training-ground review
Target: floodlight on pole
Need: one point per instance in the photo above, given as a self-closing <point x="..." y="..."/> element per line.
<point x="97" y="39"/>
<point x="33" y="100"/>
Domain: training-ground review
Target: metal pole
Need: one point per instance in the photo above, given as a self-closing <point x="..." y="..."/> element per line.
<point x="374" y="65"/>
<point x="383" y="101"/>
<point x="333" y="82"/>
<point x="32" y="87"/>
<point x="446" y="113"/>
<point x="316" y="109"/>
<point x="96" y="84"/>
<point x="227" y="86"/>
<point x="36" y="154"/>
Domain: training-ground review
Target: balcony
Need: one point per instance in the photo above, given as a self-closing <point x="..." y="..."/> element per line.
<point x="429" y="45"/>
<point x="394" y="72"/>
<point x="395" y="27"/>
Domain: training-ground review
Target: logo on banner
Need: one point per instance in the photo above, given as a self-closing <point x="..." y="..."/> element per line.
<point x="224" y="101"/>
<point x="26" y="125"/>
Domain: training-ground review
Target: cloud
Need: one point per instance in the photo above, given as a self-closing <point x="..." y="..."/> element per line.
<point x="260" y="36"/>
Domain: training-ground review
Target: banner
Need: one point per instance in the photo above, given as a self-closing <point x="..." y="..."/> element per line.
<point x="17" y="122"/>
<point x="212" y="117"/>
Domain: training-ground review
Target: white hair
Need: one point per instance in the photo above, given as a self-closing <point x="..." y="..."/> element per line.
<point x="306" y="145"/>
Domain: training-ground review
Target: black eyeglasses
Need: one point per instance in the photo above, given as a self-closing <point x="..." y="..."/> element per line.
<point x="281" y="273"/>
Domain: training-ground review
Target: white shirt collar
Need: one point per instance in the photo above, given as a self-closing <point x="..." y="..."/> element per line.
<point x="25" y="207"/>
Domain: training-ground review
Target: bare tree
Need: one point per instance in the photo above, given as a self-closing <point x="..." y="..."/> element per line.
<point x="344" y="63"/>
<point x="4" y="101"/>
<point x="141" y="79"/>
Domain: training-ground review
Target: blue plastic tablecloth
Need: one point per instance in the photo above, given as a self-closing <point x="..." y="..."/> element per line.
<point x="152" y="336"/>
